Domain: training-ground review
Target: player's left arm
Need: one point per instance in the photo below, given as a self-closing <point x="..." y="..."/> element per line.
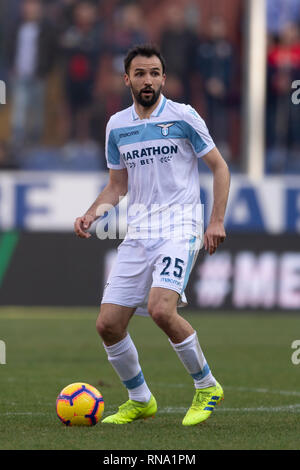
<point x="215" y="232"/>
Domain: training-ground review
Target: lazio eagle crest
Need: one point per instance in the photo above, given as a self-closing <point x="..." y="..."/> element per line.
<point x="165" y="128"/>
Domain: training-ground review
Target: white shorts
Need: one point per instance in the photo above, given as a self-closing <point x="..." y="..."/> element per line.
<point x="143" y="264"/>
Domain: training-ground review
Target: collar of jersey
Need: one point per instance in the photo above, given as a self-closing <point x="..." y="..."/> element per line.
<point x="157" y="111"/>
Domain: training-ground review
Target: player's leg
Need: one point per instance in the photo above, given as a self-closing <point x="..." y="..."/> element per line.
<point x="173" y="262"/>
<point x="112" y="325"/>
<point x="112" y="322"/>
<point x="162" y="306"/>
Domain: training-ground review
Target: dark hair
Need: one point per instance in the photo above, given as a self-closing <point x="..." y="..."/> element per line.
<point x="145" y="50"/>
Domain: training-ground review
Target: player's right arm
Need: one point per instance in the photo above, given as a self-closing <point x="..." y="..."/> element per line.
<point x="116" y="188"/>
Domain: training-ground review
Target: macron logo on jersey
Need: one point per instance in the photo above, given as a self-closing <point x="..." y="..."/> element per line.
<point x="128" y="134"/>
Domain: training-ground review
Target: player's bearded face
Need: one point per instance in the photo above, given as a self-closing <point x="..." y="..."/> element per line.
<point x="147" y="96"/>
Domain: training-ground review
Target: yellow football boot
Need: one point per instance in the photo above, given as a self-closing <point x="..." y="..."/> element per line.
<point x="204" y="402"/>
<point x="132" y="410"/>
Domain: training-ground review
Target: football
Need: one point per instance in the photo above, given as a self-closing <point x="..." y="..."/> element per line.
<point x="79" y="404"/>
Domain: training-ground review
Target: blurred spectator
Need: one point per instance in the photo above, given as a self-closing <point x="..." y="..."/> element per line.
<point x="31" y="51"/>
<point x="127" y="31"/>
<point x="124" y="29"/>
<point x="178" y="44"/>
<point x="6" y="160"/>
<point x="2" y="71"/>
<point x="216" y="67"/>
<point x="283" y="117"/>
<point x="280" y="13"/>
<point x="110" y="99"/>
<point x="81" y="48"/>
<point x="60" y="11"/>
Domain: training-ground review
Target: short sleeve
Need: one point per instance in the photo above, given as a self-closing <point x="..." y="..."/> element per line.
<point x="112" y="153"/>
<point x="197" y="132"/>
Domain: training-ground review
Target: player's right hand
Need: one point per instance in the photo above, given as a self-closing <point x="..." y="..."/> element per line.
<point x="82" y="224"/>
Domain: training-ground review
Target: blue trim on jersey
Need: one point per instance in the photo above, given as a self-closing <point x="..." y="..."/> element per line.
<point x="190" y="262"/>
<point x="135" y="381"/>
<point x="158" y="110"/>
<point x="134" y="114"/>
<point x="129" y="135"/>
<point x="203" y="373"/>
<point x="153" y="131"/>
<point x="162" y="106"/>
<point x="113" y="153"/>
<point x="190" y="133"/>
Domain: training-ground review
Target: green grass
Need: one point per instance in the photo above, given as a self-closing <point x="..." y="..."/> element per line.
<point x="250" y="354"/>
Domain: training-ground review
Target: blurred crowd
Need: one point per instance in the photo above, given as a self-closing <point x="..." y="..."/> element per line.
<point x="283" y="68"/>
<point x="62" y="61"/>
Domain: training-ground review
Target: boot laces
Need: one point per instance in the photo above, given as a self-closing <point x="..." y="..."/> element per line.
<point x="128" y="406"/>
<point x="201" y="399"/>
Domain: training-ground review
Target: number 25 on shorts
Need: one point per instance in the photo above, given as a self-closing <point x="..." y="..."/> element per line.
<point x="177" y="267"/>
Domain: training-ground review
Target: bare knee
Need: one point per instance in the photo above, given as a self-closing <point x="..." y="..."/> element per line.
<point x="160" y="313"/>
<point x="105" y="328"/>
<point x="110" y="325"/>
<point x="162" y="306"/>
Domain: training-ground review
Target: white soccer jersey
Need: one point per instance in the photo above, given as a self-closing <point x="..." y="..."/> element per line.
<point x="160" y="154"/>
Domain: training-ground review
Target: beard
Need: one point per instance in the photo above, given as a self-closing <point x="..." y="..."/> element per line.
<point x="146" y="100"/>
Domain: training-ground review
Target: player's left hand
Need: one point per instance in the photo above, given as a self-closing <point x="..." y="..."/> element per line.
<point x="214" y="235"/>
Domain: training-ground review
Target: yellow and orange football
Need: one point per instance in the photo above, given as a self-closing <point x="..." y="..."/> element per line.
<point x="79" y="404"/>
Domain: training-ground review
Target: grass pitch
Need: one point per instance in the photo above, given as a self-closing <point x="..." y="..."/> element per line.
<point x="250" y="355"/>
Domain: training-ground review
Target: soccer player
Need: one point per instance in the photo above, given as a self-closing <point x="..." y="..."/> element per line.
<point x="152" y="149"/>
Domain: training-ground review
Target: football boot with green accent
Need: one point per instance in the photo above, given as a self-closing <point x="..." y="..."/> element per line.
<point x="204" y="402"/>
<point x="132" y="410"/>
